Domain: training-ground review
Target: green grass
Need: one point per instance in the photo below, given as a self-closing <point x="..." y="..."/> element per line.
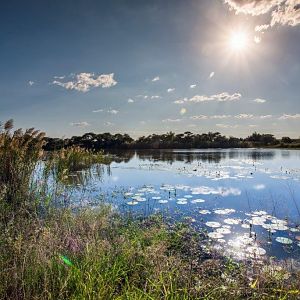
<point x="98" y="254"/>
<point x="101" y="255"/>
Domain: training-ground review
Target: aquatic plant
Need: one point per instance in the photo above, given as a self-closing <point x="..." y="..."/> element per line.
<point x="69" y="161"/>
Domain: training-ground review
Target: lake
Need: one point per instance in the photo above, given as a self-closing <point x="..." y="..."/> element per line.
<point x="248" y="200"/>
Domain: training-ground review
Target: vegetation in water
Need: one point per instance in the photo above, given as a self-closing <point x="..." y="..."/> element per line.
<point x="100" y="254"/>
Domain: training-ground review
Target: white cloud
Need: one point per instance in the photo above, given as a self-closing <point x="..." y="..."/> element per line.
<point x="171" y="120"/>
<point x="80" y="124"/>
<point x="59" y="77"/>
<point x="155" y="97"/>
<point x="220" y="116"/>
<point x="113" y="111"/>
<point x="192" y="86"/>
<point x="223" y="97"/>
<point x="282" y="12"/>
<point x="259" y="100"/>
<point x="31" y="83"/>
<point x="181" y="101"/>
<point x="265" y="117"/>
<point x="288" y="13"/>
<point x="252" y="7"/>
<point x="244" y="116"/>
<point x="155" y="79"/>
<point x="289" y="117"/>
<point x="170" y="90"/>
<point x="183" y="111"/>
<point x="261" y="28"/>
<point x="211" y="75"/>
<point x="83" y="82"/>
<point x="130" y="100"/>
<point x="110" y="111"/>
<point x="253" y="126"/>
<point x="257" y="39"/>
<point x="200" y="117"/>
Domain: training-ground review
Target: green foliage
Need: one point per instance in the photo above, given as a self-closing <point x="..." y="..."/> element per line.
<point x="169" y="140"/>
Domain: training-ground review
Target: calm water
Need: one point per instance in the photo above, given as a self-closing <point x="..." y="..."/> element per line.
<point x="247" y="199"/>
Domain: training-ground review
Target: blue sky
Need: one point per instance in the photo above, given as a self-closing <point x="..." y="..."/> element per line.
<point x="69" y="67"/>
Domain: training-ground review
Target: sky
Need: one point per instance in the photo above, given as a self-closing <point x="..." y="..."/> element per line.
<point x="140" y="67"/>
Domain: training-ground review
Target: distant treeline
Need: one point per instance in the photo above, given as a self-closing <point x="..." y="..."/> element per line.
<point x="169" y="140"/>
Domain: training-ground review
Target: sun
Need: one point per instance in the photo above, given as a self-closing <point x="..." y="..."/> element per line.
<point x="238" y="41"/>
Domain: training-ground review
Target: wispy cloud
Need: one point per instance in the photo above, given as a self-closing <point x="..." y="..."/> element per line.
<point x="31" y="83"/>
<point x="289" y="117"/>
<point x="130" y="100"/>
<point x="223" y="97"/>
<point x="181" y="101"/>
<point x="199" y="117"/>
<point x="113" y="111"/>
<point x="259" y="100"/>
<point x="80" y="124"/>
<point x="83" y="82"/>
<point x="155" y="79"/>
<point x="98" y="110"/>
<point x="171" y="120"/>
<point x="155" y="97"/>
<point x="211" y="75"/>
<point x="220" y="117"/>
<point x="244" y="116"/>
<point x="257" y="39"/>
<point x="192" y="86"/>
<point x="170" y="90"/>
<point x="265" y="117"/>
<point x="282" y="12"/>
<point x="110" y="111"/>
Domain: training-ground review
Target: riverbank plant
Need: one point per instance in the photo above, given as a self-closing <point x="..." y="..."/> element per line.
<point x="100" y="254"/>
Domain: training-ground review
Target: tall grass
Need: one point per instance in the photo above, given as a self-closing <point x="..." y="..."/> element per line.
<point x="20" y="153"/>
<point x="74" y="165"/>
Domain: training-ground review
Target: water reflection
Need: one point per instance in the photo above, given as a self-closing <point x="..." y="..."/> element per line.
<point x="189" y="156"/>
<point x="246" y="199"/>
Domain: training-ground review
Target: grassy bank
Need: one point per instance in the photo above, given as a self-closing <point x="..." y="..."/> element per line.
<point x="100" y="255"/>
<point x="48" y="252"/>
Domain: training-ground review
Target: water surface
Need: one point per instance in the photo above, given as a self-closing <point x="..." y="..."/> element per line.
<point x="248" y="200"/>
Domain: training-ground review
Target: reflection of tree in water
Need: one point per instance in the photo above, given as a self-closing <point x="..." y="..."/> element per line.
<point x="259" y="155"/>
<point x="171" y="156"/>
<point x="285" y="154"/>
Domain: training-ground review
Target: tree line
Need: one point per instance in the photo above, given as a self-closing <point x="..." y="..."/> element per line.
<point x="169" y="140"/>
